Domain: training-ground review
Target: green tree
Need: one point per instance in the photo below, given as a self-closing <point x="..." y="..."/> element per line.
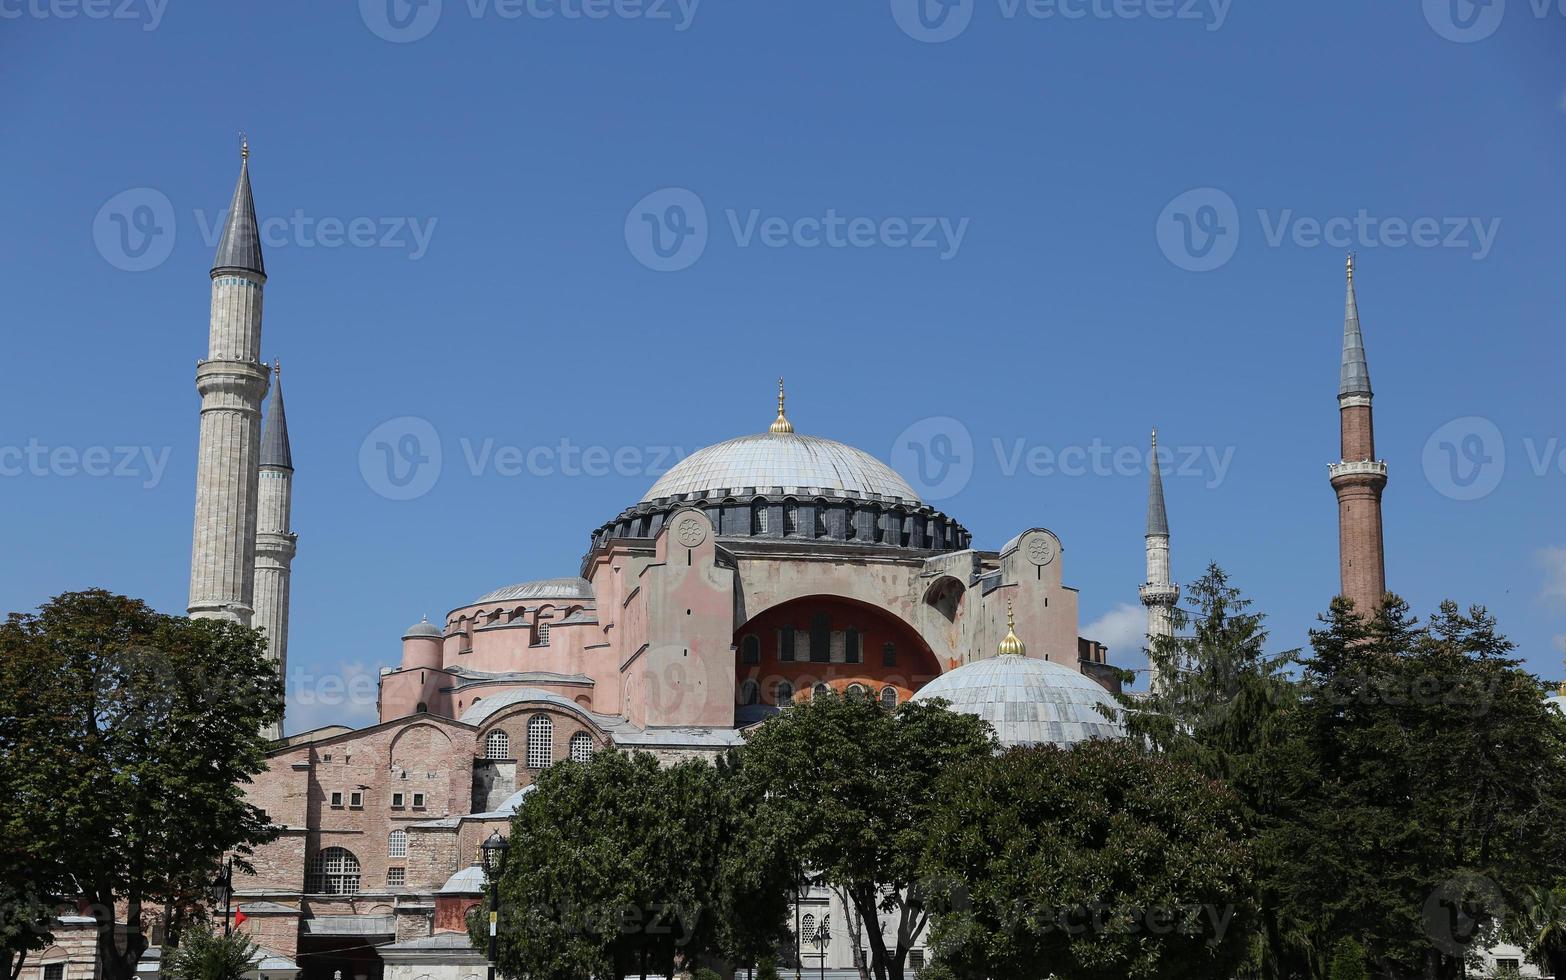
<point x="1098" y="862"/>
<point x="1427" y="786"/>
<point x="1348" y="961"/>
<point x="620" y="867"/>
<point x="1539" y="927"/>
<point x="206" y="954"/>
<point x="850" y="789"/>
<point x="126" y="738"/>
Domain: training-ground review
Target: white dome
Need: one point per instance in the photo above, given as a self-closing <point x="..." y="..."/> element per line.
<point x="570" y="587"/>
<point x="1029" y="701"/>
<point x="793" y="463"/>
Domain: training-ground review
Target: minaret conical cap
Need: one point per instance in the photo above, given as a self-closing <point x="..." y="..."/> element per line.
<point x="1157" y="516"/>
<point x="275" y="451"/>
<point x="1354" y="378"/>
<point x="239" y="250"/>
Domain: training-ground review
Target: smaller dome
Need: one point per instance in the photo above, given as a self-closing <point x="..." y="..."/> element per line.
<point x="1029" y="701"/>
<point x="422" y="628"/>
<point x="570" y="587"/>
<point x="467" y="881"/>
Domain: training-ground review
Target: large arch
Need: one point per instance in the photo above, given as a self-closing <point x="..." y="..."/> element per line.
<point x="890" y="652"/>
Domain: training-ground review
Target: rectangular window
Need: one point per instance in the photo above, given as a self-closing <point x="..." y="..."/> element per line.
<point x="397" y="799"/>
<point x="337" y="799"/>
<point x="396" y="877"/>
<point x="820" y="638"/>
<point x="54" y="971"/>
<point x="786" y="643"/>
<point x="851" y="646"/>
<point x="418" y="801"/>
<point x="916" y="959"/>
<point x="889" y="655"/>
<point x="356" y="800"/>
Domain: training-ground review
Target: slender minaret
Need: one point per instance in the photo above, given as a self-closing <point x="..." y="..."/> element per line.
<point x="232" y="381"/>
<point x="1159" y="593"/>
<point x="1358" y="477"/>
<point x="275" y="540"/>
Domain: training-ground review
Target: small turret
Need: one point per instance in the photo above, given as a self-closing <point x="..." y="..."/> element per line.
<point x="421" y="646"/>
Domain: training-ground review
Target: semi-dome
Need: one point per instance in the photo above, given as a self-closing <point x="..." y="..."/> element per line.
<point x="422" y="628"/>
<point x="1029" y="701"/>
<point x="570" y="587"/>
<point x="785" y="460"/>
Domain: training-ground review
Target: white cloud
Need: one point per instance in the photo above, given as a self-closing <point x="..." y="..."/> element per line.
<point x="1124" y="630"/>
<point x="1554" y="562"/>
<point x="343" y="694"/>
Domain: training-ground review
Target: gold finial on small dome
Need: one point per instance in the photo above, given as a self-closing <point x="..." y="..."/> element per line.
<point x="781" y="424"/>
<point x="1012" y="645"/>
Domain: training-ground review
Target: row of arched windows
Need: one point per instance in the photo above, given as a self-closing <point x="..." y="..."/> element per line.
<point x="783" y="693"/>
<point x="540" y="743"/>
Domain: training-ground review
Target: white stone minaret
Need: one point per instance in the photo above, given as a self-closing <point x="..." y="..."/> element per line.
<point x="1159" y="594"/>
<point x="232" y="382"/>
<point x="275" y="540"/>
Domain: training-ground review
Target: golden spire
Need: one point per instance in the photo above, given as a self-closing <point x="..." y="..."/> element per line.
<point x="1012" y="646"/>
<point x="781" y="424"/>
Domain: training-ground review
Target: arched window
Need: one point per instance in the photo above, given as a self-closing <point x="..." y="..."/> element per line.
<point x="749" y="693"/>
<point x="849" y="530"/>
<point x="541" y="635"/>
<point x="856" y="690"/>
<point x="333" y="871"/>
<point x="821" y="518"/>
<point x="422" y="708"/>
<point x="758" y="517"/>
<point x="581" y="747"/>
<point x="819" y="690"/>
<point x="540" y="741"/>
<point x="889" y="697"/>
<point x="397" y="844"/>
<point x="783" y="695"/>
<point x="790" y="518"/>
<point x="750" y="650"/>
<point x="497" y="745"/>
<point x="807" y="929"/>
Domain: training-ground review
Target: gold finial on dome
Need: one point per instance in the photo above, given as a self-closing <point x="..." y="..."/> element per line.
<point x="781" y="424"/>
<point x="1012" y="646"/>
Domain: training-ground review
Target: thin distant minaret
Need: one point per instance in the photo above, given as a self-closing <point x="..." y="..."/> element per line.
<point x="1358" y="478"/>
<point x="232" y="382"/>
<point x="1159" y="593"/>
<point x="275" y="540"/>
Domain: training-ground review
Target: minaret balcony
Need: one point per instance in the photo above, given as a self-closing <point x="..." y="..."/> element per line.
<point x="1361" y="467"/>
<point x="1159" y="595"/>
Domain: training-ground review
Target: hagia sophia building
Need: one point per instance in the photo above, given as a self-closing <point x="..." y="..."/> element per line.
<point x="754" y="574"/>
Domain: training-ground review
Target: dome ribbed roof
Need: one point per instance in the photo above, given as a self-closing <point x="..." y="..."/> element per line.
<point x="1029" y="701"/>
<point x="422" y="628"/>
<point x="794" y="463"/>
<point x="570" y="587"/>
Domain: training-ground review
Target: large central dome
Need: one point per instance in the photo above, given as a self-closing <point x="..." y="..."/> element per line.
<point x="793" y="463"/>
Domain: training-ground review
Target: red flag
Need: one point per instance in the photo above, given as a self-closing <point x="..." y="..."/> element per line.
<point x="240" y="917"/>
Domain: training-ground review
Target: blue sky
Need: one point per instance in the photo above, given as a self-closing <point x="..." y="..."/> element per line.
<point x="1045" y="227"/>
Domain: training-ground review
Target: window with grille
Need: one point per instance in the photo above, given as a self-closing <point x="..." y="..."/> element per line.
<point x="790" y="518"/>
<point x="334" y="871"/>
<point x="396" y="877"/>
<point x="783" y="694"/>
<point x="807" y="929"/>
<point x="497" y="745"/>
<point x="856" y="690"/>
<point x="54" y="971"/>
<point x="750" y="650"/>
<point x="581" y="747"/>
<point x="916" y="959"/>
<point x="889" y="697"/>
<point x="543" y="635"/>
<point x="540" y="741"/>
<point x="758" y="518"/>
<point x="819" y="690"/>
<point x="397" y="844"/>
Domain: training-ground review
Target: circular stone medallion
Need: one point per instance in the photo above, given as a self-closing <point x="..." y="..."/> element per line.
<point x="691" y="531"/>
<point x="1042" y="550"/>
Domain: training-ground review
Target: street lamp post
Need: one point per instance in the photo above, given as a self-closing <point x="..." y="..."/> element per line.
<point x="823" y="940"/>
<point x="494" y="852"/>
<point x="222" y="890"/>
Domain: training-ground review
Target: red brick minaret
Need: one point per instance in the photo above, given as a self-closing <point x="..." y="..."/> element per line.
<point x="1358" y="477"/>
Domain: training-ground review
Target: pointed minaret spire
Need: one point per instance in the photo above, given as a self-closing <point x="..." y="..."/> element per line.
<point x="276" y="543"/>
<point x="1354" y="378"/>
<point x="1358" y="477"/>
<point x="781" y="425"/>
<point x="239" y="250"/>
<point x="1159" y="593"/>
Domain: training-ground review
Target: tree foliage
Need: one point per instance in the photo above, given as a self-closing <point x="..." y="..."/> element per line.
<point x="126" y="738"/>
<point x="850" y="787"/>
<point x="1097" y="862"/>
<point x="207" y="954"/>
